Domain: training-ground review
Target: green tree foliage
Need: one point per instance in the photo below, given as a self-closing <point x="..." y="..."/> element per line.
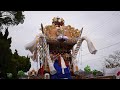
<point x="20" y="73"/>
<point x="11" y="63"/>
<point x="87" y="69"/>
<point x="8" y="18"/>
<point x="5" y="53"/>
<point x="22" y="62"/>
<point x="9" y="75"/>
<point x="95" y="72"/>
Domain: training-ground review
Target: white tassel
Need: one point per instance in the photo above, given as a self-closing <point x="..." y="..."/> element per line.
<point x="76" y="48"/>
<point x="63" y="71"/>
<point x="90" y="45"/>
<point x="63" y="66"/>
<point x="33" y="44"/>
<point x="50" y="63"/>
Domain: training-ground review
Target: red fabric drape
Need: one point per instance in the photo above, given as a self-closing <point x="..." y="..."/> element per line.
<point x="41" y="71"/>
<point x="118" y="73"/>
<point x="67" y="63"/>
<point x="59" y="60"/>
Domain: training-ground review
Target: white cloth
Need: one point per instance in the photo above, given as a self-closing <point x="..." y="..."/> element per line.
<point x="76" y="48"/>
<point x="33" y="44"/>
<point x="47" y="76"/>
<point x="38" y="63"/>
<point x="50" y="63"/>
<point x="63" y="66"/>
<point x="34" y="65"/>
<point x="75" y="66"/>
<point x="90" y="45"/>
<point x="51" y="67"/>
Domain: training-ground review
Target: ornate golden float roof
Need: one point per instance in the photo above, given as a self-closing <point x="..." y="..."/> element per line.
<point x="58" y="27"/>
<point x="58" y="21"/>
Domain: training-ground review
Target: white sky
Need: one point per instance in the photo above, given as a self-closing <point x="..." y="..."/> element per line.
<point x="102" y="27"/>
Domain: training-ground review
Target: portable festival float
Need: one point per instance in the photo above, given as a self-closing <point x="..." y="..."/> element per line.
<point x="54" y="51"/>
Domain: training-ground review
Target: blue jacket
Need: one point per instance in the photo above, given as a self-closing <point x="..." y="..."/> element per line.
<point x="59" y="74"/>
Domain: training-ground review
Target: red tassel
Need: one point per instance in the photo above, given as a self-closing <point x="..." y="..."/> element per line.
<point x="118" y="73"/>
<point x="67" y="63"/>
<point x="41" y="71"/>
<point x="59" y="60"/>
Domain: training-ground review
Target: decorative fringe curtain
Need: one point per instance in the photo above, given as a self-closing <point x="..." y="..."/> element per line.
<point x="91" y="48"/>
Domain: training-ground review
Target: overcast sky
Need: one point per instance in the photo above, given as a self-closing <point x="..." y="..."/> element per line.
<point x="102" y="27"/>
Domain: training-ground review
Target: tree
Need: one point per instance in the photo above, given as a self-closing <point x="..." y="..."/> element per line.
<point x="7" y="62"/>
<point x="23" y="63"/>
<point x="5" y="53"/>
<point x="94" y="72"/>
<point x="11" y="63"/>
<point x="113" y="60"/>
<point x="20" y="73"/>
<point x="9" y="75"/>
<point x="8" y="18"/>
<point x="87" y="69"/>
<point x="20" y="63"/>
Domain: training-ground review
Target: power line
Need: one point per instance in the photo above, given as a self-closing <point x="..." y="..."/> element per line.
<point x="101" y="25"/>
<point x="109" y="46"/>
<point x="95" y="59"/>
<point x="81" y="55"/>
<point x="112" y="33"/>
<point x="104" y="48"/>
<point x="108" y="36"/>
